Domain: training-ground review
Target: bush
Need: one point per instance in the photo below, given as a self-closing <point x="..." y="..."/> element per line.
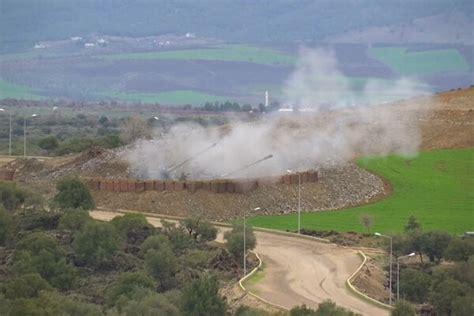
<point x="52" y="304"/>
<point x="460" y="249"/>
<point x="235" y="240"/>
<point x="26" y="286"/>
<point x="162" y="266"/>
<point x="5" y="225"/>
<point x="403" y="308"/>
<point x="414" y="285"/>
<point x="444" y="295"/>
<point x="201" y="298"/>
<point x="133" y="227"/>
<point x="180" y="240"/>
<point x="72" y="193"/>
<point x="148" y="303"/>
<point x="154" y="242"/>
<point x="40" y="253"/>
<point x="200" y="229"/>
<point x="74" y="219"/>
<point x="48" y="143"/>
<point x="11" y="196"/>
<point x="127" y="285"/>
<point x="95" y="244"/>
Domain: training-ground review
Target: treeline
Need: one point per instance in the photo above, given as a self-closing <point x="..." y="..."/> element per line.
<point x="442" y="280"/>
<point x="62" y="262"/>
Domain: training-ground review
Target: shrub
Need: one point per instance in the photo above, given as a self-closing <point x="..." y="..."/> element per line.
<point x="26" y="286"/>
<point x="445" y="293"/>
<point x="201" y="298"/>
<point x="150" y="304"/>
<point x="180" y="240"/>
<point x="154" y="242"/>
<point x="134" y="227"/>
<point x="48" y="143"/>
<point x="403" y="308"/>
<point x="235" y="240"/>
<point x="11" y="196"/>
<point x="74" y="219"/>
<point x="200" y="229"/>
<point x="414" y="285"/>
<point x="96" y="243"/>
<point x="5" y="225"/>
<point x="127" y="285"/>
<point x="72" y="193"/>
<point x="161" y="265"/>
<point x="459" y="249"/>
<point x="40" y="253"/>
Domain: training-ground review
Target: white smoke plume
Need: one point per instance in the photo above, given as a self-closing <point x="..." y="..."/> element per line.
<point x="335" y="119"/>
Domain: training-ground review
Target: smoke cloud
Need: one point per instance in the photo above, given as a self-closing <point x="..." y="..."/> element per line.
<point x="335" y="119"/>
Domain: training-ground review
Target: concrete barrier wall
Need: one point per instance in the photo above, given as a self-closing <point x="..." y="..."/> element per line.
<point x="215" y="186"/>
<point x="7" y="175"/>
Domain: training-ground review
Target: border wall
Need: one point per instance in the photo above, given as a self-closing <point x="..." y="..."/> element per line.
<point x="215" y="186"/>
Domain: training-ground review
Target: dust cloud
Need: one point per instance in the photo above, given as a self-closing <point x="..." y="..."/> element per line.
<point x="330" y="120"/>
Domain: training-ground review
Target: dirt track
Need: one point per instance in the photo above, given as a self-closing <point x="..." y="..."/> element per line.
<point x="299" y="270"/>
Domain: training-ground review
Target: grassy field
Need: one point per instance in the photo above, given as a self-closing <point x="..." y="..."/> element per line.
<point x="177" y="97"/>
<point x="10" y="90"/>
<point x="241" y="53"/>
<point x="420" y="63"/>
<point x="437" y="187"/>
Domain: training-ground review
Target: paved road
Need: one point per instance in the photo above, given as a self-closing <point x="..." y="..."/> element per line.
<point x="299" y="270"/>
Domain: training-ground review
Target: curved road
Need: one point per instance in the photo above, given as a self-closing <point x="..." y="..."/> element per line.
<point x="299" y="271"/>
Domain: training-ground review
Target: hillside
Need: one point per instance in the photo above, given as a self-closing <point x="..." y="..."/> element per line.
<point x="25" y="22"/>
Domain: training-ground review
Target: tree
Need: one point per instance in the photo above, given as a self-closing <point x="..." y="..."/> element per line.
<point x="11" y="196"/>
<point x="149" y="303"/>
<point x="200" y="229"/>
<point x="154" y="242"/>
<point x="414" y="285"/>
<point x="26" y="286"/>
<point x="179" y="238"/>
<point x="95" y="244"/>
<point x="41" y="253"/>
<point x="463" y="306"/>
<point x="5" y="225"/>
<point x="302" y="310"/>
<point x="403" y="308"/>
<point x="412" y="225"/>
<point x="459" y="249"/>
<point x="134" y="227"/>
<point x="201" y="298"/>
<point x="52" y="304"/>
<point x="48" y="143"/>
<point x="445" y="293"/>
<point x="73" y="193"/>
<point x="133" y="129"/>
<point x="367" y="221"/>
<point x="74" y="219"/>
<point x="162" y="266"/>
<point x="235" y="240"/>
<point x="435" y="244"/>
<point x="127" y="285"/>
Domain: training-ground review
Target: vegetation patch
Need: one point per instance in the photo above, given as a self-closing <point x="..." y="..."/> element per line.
<point x="235" y="53"/>
<point x="176" y="97"/>
<point x="420" y="62"/>
<point x="10" y="90"/>
<point x="441" y="198"/>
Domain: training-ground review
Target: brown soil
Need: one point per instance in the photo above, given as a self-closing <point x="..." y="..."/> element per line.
<point x="372" y="279"/>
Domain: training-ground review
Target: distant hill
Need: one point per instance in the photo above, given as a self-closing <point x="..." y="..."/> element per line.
<point x="25" y="22"/>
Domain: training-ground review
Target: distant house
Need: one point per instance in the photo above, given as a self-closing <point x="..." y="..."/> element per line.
<point x="89" y="45"/>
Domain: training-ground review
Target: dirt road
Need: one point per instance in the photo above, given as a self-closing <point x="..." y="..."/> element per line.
<point x="299" y="271"/>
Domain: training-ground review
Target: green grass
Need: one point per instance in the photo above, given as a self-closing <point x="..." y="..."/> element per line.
<point x="437" y="187"/>
<point x="420" y="63"/>
<point x="176" y="97"/>
<point x="240" y="53"/>
<point x="10" y="90"/>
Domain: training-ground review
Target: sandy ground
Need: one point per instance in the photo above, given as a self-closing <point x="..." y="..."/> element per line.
<point x="299" y="271"/>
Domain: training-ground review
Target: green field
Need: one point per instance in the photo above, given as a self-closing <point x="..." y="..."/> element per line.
<point x="10" y="90"/>
<point x="420" y="62"/>
<point x="437" y="187"/>
<point x="176" y="97"/>
<point x="234" y="53"/>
